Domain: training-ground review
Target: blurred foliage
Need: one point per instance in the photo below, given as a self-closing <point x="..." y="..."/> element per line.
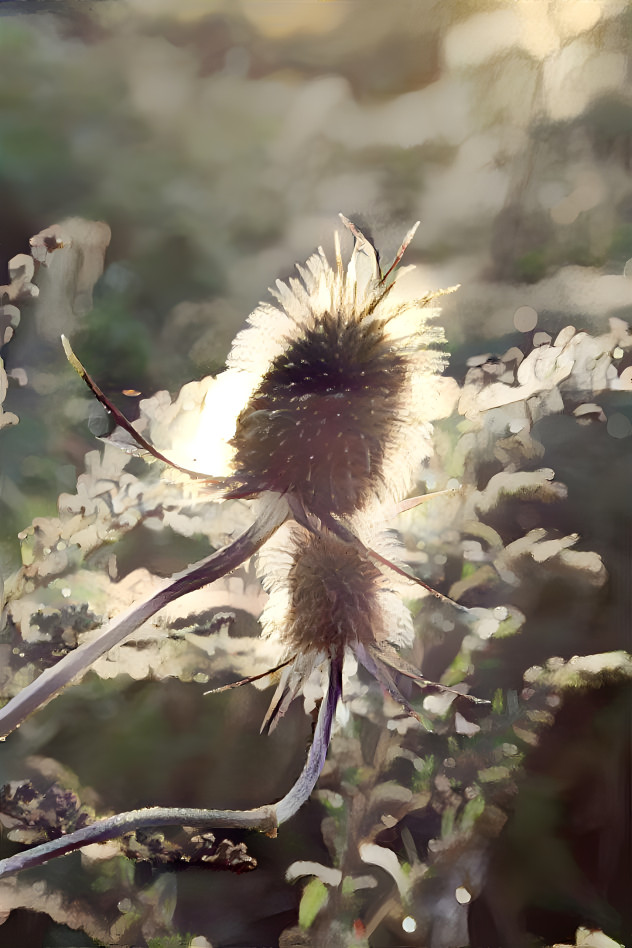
<point x="218" y="143"/>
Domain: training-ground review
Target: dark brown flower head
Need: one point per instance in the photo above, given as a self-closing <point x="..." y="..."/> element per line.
<point x="332" y="595"/>
<point x="335" y="417"/>
<point x="328" y="395"/>
<point x="320" y="419"/>
<point x="328" y="598"/>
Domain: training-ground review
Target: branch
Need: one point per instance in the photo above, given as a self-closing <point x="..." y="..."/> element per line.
<point x="54" y="679"/>
<point x="264" y="818"/>
<point x="302" y="789"/>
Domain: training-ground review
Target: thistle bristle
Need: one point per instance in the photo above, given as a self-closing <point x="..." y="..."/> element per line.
<point x="322" y="415"/>
<point x="332" y="595"/>
<point x="336" y="404"/>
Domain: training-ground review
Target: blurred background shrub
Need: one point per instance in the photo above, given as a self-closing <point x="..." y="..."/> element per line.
<point x="217" y="142"/>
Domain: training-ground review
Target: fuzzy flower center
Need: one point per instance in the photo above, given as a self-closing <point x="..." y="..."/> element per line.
<point x="320" y="420"/>
<point x="332" y="596"/>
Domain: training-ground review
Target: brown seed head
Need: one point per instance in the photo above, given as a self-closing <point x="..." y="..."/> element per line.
<point x="332" y="595"/>
<point x="334" y="416"/>
<point x="326" y="595"/>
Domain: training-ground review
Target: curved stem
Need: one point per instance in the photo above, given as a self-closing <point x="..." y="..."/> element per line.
<point x="302" y="789"/>
<point x="264" y="818"/>
<point x="223" y="561"/>
<point x="120" y="418"/>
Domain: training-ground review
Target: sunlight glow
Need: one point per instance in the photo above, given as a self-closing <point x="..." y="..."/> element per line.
<point x="206" y="448"/>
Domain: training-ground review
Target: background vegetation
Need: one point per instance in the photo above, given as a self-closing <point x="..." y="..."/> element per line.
<point x="218" y="142"/>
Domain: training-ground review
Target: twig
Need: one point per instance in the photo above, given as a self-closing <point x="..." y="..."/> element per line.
<point x="264" y="818"/>
<point x="223" y="561"/>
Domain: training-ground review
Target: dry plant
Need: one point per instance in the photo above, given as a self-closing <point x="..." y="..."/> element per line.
<point x="333" y="422"/>
<point x="327" y="404"/>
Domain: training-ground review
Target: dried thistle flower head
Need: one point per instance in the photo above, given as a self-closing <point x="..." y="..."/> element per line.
<point x="328" y="598"/>
<point x="334" y="420"/>
<point x="332" y="590"/>
<point x="337" y="385"/>
<point x="335" y="417"/>
<point x="326" y="595"/>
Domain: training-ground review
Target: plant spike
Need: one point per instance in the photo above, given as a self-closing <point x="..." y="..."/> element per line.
<point x="250" y="678"/>
<point x="120" y="418"/>
<point x="402" y="250"/>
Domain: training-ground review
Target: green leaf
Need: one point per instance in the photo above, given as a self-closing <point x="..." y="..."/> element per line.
<point x="458" y="670"/>
<point x="447" y="822"/>
<point x="171" y="941"/>
<point x="425" y="768"/>
<point x="498" y="702"/>
<point x="509" y="626"/>
<point x="314" y="896"/>
<point x="348" y="886"/>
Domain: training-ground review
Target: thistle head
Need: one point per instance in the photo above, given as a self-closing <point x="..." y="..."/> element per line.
<point x="327" y="596"/>
<point x="327" y="599"/>
<point x="335" y="415"/>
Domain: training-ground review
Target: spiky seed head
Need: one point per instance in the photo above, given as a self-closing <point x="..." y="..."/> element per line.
<point x="332" y="595"/>
<point x="327" y="596"/>
<point x="335" y="415"/>
<point x="328" y="599"/>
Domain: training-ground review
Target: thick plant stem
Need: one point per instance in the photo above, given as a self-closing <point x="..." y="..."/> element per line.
<point x="54" y="679"/>
<point x="302" y="789"/>
<point x="263" y="818"/>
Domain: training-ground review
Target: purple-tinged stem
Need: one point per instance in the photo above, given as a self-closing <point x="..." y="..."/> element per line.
<point x="223" y="561"/>
<point x="302" y="789"/>
<point x="264" y="818"/>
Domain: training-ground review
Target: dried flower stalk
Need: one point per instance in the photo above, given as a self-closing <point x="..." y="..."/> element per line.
<point x="335" y="421"/>
<point x="334" y="424"/>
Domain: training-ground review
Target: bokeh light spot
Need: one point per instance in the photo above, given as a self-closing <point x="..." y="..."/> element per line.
<point x="462" y="895"/>
<point x="619" y="425"/>
<point x="525" y="319"/>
